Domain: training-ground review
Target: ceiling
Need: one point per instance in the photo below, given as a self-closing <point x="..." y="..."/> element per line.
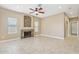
<point x="71" y="10"/>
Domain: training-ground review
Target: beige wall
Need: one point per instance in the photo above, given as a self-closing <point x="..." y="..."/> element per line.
<point x="4" y="14"/>
<point x="78" y="26"/>
<point x="53" y="26"/>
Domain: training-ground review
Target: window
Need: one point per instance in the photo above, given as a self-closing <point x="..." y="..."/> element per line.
<point x="12" y="25"/>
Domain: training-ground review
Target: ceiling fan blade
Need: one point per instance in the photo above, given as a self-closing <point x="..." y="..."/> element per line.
<point x="31" y="9"/>
<point x="40" y="8"/>
<point x="36" y="9"/>
<point x="42" y="12"/>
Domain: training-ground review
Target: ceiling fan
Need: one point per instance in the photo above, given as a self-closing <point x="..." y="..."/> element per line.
<point x="37" y="10"/>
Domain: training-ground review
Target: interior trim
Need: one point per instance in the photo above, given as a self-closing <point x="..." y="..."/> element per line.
<point x="52" y="36"/>
<point x="10" y="40"/>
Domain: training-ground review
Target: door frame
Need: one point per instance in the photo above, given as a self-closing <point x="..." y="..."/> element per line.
<point x="77" y="27"/>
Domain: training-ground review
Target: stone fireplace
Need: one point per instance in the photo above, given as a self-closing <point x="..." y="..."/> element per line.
<point x="27" y="33"/>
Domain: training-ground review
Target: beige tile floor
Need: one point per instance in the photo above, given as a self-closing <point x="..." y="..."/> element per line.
<point x="40" y="45"/>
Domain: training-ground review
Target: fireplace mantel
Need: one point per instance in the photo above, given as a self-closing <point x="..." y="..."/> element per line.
<point x="27" y="30"/>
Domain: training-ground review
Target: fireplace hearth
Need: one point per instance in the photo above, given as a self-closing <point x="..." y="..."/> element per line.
<point x="25" y="33"/>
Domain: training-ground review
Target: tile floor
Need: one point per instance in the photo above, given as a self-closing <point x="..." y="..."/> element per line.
<point x="40" y="45"/>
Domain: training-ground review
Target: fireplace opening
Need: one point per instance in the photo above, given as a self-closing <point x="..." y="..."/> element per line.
<point x="27" y="34"/>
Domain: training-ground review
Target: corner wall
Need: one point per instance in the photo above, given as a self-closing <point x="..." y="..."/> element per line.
<point x="66" y="26"/>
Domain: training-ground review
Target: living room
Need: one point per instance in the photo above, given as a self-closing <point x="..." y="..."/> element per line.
<point x="39" y="28"/>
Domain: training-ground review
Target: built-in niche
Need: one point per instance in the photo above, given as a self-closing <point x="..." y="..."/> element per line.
<point x="27" y="21"/>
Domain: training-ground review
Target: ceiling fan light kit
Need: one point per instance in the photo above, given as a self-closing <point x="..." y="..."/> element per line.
<point x="38" y="10"/>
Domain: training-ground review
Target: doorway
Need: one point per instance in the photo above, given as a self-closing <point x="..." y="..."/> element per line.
<point x="74" y="28"/>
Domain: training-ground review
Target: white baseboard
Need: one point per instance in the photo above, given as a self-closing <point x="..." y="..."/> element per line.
<point x="10" y="40"/>
<point x="51" y="36"/>
<point x="37" y="35"/>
